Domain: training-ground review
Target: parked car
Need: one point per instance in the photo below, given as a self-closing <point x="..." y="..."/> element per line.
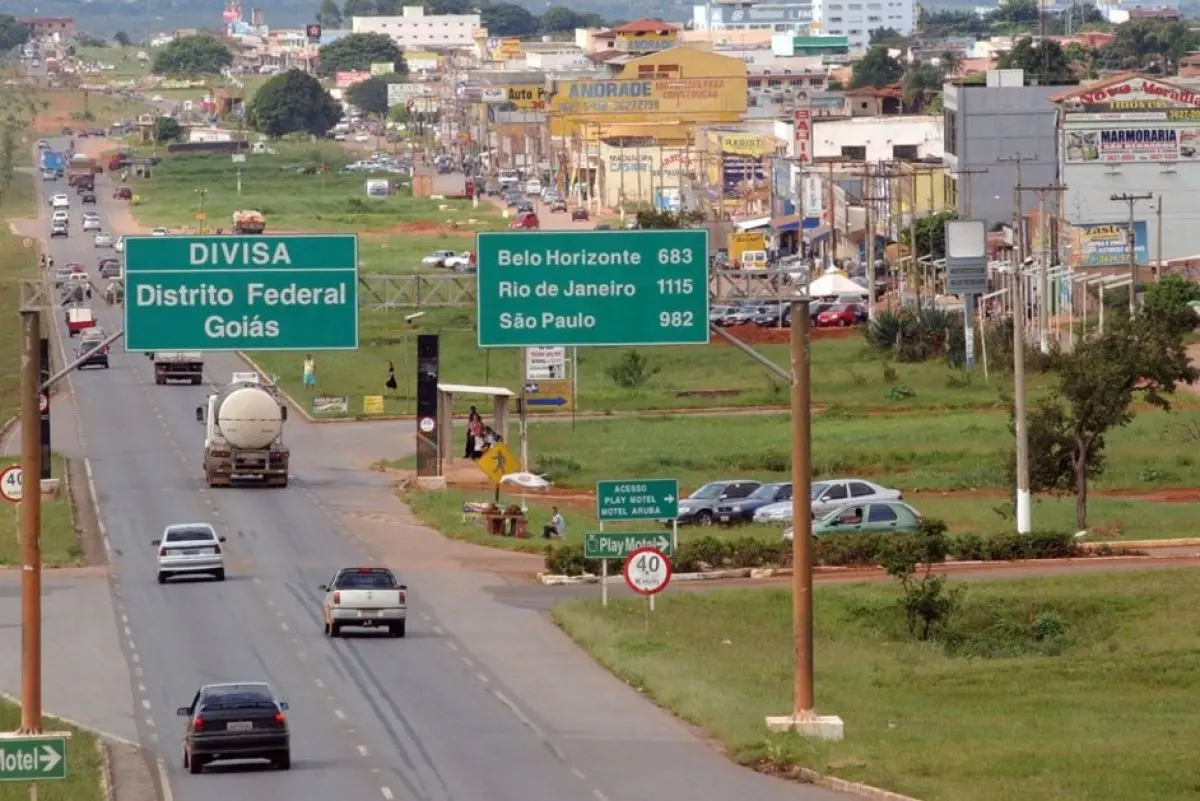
<point x="602" y="227"/>
<point x="842" y="315"/>
<point x="881" y="516"/>
<point x="742" y="314"/>
<point x="437" y="258"/>
<point x="579" y="214"/>
<point x="829" y="495"/>
<point x="460" y="262"/>
<point x="742" y="510"/>
<point x="701" y="506"/>
<point x="716" y="314"/>
<point x="815" y="310"/>
<point x="773" y="315"/>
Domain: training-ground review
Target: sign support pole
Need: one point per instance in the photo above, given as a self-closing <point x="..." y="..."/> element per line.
<point x="603" y="577"/>
<point x="802" y="611"/>
<point x="31" y="524"/>
<point x="969" y="331"/>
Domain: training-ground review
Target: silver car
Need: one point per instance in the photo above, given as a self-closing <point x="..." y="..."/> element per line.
<point x="828" y="495"/>
<point x="190" y="549"/>
<point x="104" y="240"/>
<point x="92" y="223"/>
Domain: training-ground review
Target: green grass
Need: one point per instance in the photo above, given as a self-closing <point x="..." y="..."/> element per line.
<point x="688" y="377"/>
<point x="85" y="767"/>
<point x="60" y="540"/>
<point x="1109" y="717"/>
<point x="333" y="201"/>
<point x="123" y="59"/>
<point x="948" y="451"/>
<point x="16" y="262"/>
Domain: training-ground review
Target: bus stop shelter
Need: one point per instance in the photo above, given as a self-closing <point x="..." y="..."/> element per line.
<point x="501" y="398"/>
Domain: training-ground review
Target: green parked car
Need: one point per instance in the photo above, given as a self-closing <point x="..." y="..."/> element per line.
<point x="872" y="516"/>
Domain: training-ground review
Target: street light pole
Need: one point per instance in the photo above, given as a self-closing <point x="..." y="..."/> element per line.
<point x="1131" y="244"/>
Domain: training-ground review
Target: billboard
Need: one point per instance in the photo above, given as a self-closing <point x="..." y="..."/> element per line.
<point x="642" y="175"/>
<point x="344" y="80"/>
<point x="399" y="94"/>
<point x="383" y="68"/>
<point x="522" y="98"/>
<point x="1107" y="244"/>
<point x="802" y="127"/>
<point x="1119" y="145"/>
<point x="743" y="15"/>
<point x="1138" y="95"/>
<point x="740" y="144"/>
<point x="592" y="98"/>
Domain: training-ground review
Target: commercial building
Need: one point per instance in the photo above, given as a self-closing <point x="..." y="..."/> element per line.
<point x="734" y="16"/>
<point x="1130" y="135"/>
<point x="909" y="137"/>
<point x="45" y="27"/>
<point x="414" y="29"/>
<point x="858" y="19"/>
<point x="638" y="37"/>
<point x="992" y="132"/>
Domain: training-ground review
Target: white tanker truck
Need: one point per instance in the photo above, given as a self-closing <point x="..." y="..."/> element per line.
<point x="243" y="433"/>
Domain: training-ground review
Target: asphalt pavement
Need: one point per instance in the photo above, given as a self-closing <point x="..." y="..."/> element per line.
<point x="483" y="700"/>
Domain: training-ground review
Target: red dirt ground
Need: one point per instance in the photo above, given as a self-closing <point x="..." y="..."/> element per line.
<point x="753" y="335"/>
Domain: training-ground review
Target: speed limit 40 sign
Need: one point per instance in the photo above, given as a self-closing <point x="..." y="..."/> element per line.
<point x="647" y="571"/>
<point x="10" y="483"/>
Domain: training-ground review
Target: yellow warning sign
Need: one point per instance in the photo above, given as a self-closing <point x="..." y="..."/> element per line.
<point x="498" y="461"/>
<point x="372" y="404"/>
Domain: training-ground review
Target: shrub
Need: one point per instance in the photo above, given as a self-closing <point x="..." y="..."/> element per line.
<point x="1008" y="546"/>
<point x="632" y="371"/>
<point x="927" y="602"/>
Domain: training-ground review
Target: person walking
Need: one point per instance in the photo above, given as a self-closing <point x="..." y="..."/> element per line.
<point x="557" y="527"/>
<point x="390" y="384"/>
<point x="310" y="372"/>
<point x="474" y="435"/>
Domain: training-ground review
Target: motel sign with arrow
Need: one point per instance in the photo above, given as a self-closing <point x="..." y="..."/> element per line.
<point x="33" y="758"/>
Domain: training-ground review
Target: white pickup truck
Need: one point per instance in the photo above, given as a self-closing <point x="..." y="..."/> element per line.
<point x="367" y="597"/>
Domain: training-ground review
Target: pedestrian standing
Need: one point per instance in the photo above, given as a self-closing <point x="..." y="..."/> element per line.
<point x="310" y="372"/>
<point x="474" y="435"/>
<point x="390" y="384"/>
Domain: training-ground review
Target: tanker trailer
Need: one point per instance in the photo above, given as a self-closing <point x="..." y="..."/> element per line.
<point x="243" y="433"/>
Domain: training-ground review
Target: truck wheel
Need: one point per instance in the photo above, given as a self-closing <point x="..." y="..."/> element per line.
<point x="397" y="629"/>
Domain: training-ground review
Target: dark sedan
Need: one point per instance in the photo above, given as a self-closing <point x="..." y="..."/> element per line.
<point x="742" y="510"/>
<point x="235" y="722"/>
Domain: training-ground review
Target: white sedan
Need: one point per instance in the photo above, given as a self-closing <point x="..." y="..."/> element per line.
<point x="92" y="224"/>
<point x="119" y="245"/>
<point x="190" y="549"/>
<point x="159" y="232"/>
<point x="828" y="495"/>
<point x="60" y="201"/>
<point x="104" y="240"/>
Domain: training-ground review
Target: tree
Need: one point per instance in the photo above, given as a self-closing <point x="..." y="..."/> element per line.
<point x="509" y="19"/>
<point x="669" y="219"/>
<point x="1018" y="14"/>
<point x="1155" y="45"/>
<point x="358" y="51"/>
<point x="449" y="6"/>
<point x="888" y="37"/>
<point x="1043" y="60"/>
<point x="167" y="129"/>
<point x="291" y="102"/>
<point x="122" y="39"/>
<point x="1168" y="301"/>
<point x="192" y="55"/>
<point x="560" y="19"/>
<point x="877" y="69"/>
<point x="1138" y="358"/>
<point x="931" y="235"/>
<point x="358" y="8"/>
<point x="329" y="15"/>
<point x="12" y="33"/>
<point x="389" y="8"/>
<point x="922" y="80"/>
<point x="372" y="94"/>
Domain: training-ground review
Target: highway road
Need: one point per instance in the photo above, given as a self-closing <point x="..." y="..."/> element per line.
<point x="480" y="702"/>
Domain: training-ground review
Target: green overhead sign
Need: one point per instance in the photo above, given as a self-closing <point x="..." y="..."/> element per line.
<point x="619" y="544"/>
<point x="557" y="288"/>
<point x="32" y="758"/>
<point x="213" y="293"/>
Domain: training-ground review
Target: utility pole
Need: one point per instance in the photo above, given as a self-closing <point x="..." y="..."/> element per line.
<point x="1131" y="244"/>
<point x="967" y="173"/>
<point x="832" y="242"/>
<point x="1158" y="257"/>
<point x="869" y="199"/>
<point x="1043" y="256"/>
<point x="1018" y="161"/>
<point x="31" y="518"/>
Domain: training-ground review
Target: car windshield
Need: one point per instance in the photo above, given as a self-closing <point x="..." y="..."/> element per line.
<point x="708" y="491"/>
<point x="188" y="534"/>
<point x="247" y="698"/>
<point x="89" y="344"/>
<point x="365" y="579"/>
<point x="766" y="492"/>
<point x="818" y="488"/>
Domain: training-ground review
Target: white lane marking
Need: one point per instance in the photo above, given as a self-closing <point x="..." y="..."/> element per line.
<point x="128" y="631"/>
<point x="437" y="630"/>
<point x="164" y="782"/>
<point x="599" y="795"/>
<point x="124" y="618"/>
<point x="452" y="646"/>
<point x="386" y="793"/>
<point x="137" y="671"/>
<point x="362" y="749"/>
<point x="150" y="722"/>
<point x="579" y="774"/>
<point x="134" y="656"/>
<point x="339" y="714"/>
<point x="467" y="662"/>
<point x="284" y="626"/>
<point x="145" y="703"/>
<point x="425" y="616"/>
<point x="481" y="677"/>
<point x="521" y="716"/>
<point x="141" y="687"/>
<point x="257" y="580"/>
<point x="318" y="682"/>
<point x="132" y="644"/>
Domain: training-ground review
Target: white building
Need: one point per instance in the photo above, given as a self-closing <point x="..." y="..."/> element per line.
<point x="415" y="29"/>
<point x="856" y="19"/>
<point x="795" y="16"/>
<point x="908" y="137"/>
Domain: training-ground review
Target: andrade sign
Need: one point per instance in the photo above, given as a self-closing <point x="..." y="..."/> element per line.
<point x="684" y="95"/>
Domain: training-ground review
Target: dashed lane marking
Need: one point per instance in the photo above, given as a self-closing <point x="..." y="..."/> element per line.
<point x="482" y="678"/>
<point x="145" y="704"/>
<point x="339" y="714"/>
<point x="386" y="793"/>
<point x="362" y="750"/>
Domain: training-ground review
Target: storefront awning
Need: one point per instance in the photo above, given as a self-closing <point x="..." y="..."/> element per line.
<point x="752" y="224"/>
<point x="789" y="222"/>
